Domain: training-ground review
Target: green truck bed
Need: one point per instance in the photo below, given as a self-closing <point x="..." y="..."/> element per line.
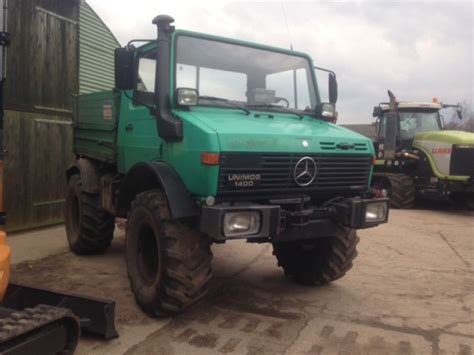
<point x="95" y="133"/>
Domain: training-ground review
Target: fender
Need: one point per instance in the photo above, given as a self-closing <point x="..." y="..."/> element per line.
<point x="152" y="175"/>
<point x="89" y="174"/>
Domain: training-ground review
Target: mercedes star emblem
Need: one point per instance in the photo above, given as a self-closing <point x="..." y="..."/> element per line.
<point x="305" y="171"/>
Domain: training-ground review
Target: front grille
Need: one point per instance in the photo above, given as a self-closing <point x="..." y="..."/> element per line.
<point x="462" y="162"/>
<point x="276" y="174"/>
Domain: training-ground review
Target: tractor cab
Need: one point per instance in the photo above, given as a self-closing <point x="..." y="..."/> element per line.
<point x="413" y="118"/>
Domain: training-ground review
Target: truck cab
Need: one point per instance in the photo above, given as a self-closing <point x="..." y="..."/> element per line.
<point x="206" y="139"/>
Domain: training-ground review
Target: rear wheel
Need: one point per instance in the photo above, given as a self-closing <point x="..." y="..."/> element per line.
<point x="400" y="187"/>
<point x="168" y="263"/>
<point x="319" y="261"/>
<point x="89" y="229"/>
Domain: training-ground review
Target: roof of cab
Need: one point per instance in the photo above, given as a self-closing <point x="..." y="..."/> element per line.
<point x="414" y="105"/>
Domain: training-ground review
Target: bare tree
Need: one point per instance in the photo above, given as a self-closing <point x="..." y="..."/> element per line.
<point x="467" y="123"/>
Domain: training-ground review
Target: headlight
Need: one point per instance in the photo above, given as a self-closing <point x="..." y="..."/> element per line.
<point x="376" y="212"/>
<point x="187" y="97"/>
<point x="241" y="223"/>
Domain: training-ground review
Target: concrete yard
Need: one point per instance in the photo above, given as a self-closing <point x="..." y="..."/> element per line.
<point x="411" y="291"/>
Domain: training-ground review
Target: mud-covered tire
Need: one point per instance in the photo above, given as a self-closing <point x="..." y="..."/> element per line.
<point x="401" y="189"/>
<point x="89" y="229"/>
<point x="320" y="261"/>
<point x="168" y="262"/>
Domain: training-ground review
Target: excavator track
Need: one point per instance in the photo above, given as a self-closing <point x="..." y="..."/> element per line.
<point x="39" y="330"/>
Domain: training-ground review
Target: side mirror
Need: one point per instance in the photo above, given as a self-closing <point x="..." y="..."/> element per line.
<point x="377" y="111"/>
<point x="332" y="88"/>
<point x="124" y="68"/>
<point x="326" y="110"/>
<point x="459" y="112"/>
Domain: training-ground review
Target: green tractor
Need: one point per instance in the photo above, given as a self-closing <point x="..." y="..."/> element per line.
<point x="205" y="140"/>
<point x="416" y="156"/>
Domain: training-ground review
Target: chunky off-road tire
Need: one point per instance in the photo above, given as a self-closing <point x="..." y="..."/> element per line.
<point x="168" y="262"/>
<point x="401" y="189"/>
<point x="462" y="201"/>
<point x="320" y="261"/>
<point x="89" y="229"/>
<point x="470" y="203"/>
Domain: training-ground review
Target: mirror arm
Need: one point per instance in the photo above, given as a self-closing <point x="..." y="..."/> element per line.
<point x="326" y="70"/>
<point x="129" y="44"/>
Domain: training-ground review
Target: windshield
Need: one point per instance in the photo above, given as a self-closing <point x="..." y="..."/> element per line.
<point x="416" y="122"/>
<point x="242" y="74"/>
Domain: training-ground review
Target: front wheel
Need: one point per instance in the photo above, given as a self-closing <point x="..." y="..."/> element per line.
<point x="319" y="261"/>
<point x="168" y="263"/>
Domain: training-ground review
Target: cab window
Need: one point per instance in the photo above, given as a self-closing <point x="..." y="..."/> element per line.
<point x="145" y="84"/>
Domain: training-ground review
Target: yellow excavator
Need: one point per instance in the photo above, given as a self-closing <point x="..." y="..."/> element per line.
<point x="36" y="320"/>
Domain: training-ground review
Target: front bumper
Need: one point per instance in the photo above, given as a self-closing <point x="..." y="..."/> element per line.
<point x="445" y="189"/>
<point x="310" y="222"/>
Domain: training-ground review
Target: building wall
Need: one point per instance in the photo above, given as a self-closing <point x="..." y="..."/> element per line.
<point x="97" y="45"/>
<point x="42" y="77"/>
<point x="59" y="49"/>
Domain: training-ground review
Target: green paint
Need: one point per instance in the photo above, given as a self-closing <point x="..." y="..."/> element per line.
<point x="452" y="137"/>
<point x="206" y="129"/>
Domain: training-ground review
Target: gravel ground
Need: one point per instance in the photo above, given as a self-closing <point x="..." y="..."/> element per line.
<point x="411" y="291"/>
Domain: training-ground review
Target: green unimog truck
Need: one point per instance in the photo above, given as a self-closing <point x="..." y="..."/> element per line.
<point x="207" y="139"/>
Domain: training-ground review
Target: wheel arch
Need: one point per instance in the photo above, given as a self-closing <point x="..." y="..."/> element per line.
<point x="88" y="170"/>
<point x="151" y="175"/>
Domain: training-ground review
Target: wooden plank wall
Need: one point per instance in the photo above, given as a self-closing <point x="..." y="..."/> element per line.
<point x="42" y="76"/>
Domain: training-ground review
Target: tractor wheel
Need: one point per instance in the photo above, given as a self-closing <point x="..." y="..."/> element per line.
<point x="319" y="261"/>
<point x="168" y="263"/>
<point x="89" y="229"/>
<point x="470" y="202"/>
<point x="401" y="189"/>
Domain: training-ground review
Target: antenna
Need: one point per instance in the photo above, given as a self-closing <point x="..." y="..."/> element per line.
<point x="286" y="23"/>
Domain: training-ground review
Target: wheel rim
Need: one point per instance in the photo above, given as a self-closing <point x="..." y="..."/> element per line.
<point x="147" y="254"/>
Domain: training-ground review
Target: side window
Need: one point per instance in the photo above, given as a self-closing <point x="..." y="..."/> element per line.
<point x="146" y="74"/>
<point x="145" y="85"/>
<point x="302" y="89"/>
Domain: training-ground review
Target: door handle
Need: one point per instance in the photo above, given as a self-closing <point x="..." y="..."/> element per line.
<point x="129" y="127"/>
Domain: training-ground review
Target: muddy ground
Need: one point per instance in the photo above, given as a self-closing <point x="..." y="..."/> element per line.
<point x="411" y="291"/>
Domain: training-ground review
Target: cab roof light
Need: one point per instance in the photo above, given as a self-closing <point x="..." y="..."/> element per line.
<point x="210" y="158"/>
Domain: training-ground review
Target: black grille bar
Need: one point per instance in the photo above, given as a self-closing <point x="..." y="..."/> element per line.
<point x="334" y="172"/>
<point x="462" y="162"/>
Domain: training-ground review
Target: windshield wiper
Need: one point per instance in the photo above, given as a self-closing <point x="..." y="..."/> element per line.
<point x="227" y="101"/>
<point x="281" y="108"/>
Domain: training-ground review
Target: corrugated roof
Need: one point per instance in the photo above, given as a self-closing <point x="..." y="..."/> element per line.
<point x="96" y="52"/>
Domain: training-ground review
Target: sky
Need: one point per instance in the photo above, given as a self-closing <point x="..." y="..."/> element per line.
<point x="417" y="49"/>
